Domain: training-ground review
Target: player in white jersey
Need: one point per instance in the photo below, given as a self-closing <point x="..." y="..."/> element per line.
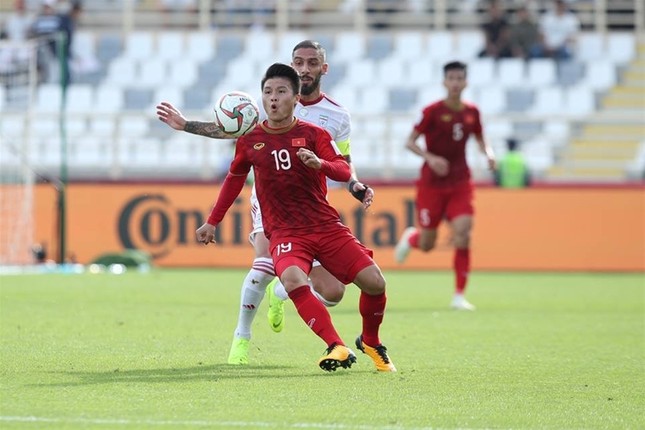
<point x="309" y="60"/>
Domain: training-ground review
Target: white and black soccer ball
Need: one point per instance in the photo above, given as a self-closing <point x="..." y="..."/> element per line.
<point x="236" y="113"/>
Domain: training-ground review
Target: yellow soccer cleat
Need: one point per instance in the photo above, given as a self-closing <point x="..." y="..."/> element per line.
<point x="378" y="354"/>
<point x="276" y="309"/>
<point x="337" y="356"/>
<point x="239" y="353"/>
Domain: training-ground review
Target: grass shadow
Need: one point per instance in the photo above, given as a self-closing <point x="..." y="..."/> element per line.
<point x="211" y="373"/>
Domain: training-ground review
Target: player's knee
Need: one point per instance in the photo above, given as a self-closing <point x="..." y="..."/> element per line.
<point x="333" y="297"/>
<point x="461" y="239"/>
<point x="426" y="245"/>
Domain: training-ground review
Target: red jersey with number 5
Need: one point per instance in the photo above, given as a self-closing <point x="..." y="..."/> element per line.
<point x="446" y="132"/>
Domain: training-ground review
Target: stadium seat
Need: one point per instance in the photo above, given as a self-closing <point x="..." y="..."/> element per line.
<point x="172" y="94"/>
<point x="182" y="73"/>
<point x="80" y="98"/>
<point x="420" y="73"/>
<point x="109" y="99"/>
<point x="491" y="100"/>
<point x="49" y="98"/>
<point x="579" y="101"/>
<point x="139" y="154"/>
<point x="407" y="46"/>
<point x="200" y="46"/>
<point x="349" y="45"/>
<point x="621" y="47"/>
<point x="12" y="126"/>
<point x="102" y="126"/>
<point x="373" y="102"/>
<point x="556" y="130"/>
<point x="139" y="45"/>
<point x="346" y="95"/>
<point x="121" y="71"/>
<point x="548" y="101"/>
<point x="538" y="154"/>
<point x="259" y="46"/>
<point x="378" y="46"/>
<point x="511" y="72"/>
<point x="440" y="47"/>
<point x="390" y="72"/>
<point x="75" y="126"/>
<point x="541" y="72"/>
<point x="469" y="44"/>
<point x="152" y="73"/>
<point x="590" y="46"/>
<point x="287" y="41"/>
<point x="361" y="73"/>
<point x="133" y="126"/>
<point x="600" y="75"/>
<point x="170" y="46"/>
<point x="481" y="72"/>
<point x="90" y="154"/>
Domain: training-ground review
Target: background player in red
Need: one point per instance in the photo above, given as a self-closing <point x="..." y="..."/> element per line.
<point x="291" y="160"/>
<point x="445" y="190"/>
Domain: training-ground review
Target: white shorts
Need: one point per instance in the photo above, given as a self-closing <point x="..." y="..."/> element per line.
<point x="256" y="217"/>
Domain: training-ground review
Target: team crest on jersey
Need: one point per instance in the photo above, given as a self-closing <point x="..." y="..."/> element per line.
<point x="469" y="119"/>
<point x="298" y="142"/>
<point x="323" y="120"/>
<point x="258" y="146"/>
<point x="446" y="117"/>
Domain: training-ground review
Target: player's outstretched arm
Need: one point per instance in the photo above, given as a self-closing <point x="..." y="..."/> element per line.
<point x="169" y="114"/>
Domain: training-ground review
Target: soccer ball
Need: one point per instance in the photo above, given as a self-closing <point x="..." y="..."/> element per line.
<point x="236" y="113"/>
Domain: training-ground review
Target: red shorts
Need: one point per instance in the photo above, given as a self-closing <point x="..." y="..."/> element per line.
<point x="336" y="248"/>
<point x="433" y="204"/>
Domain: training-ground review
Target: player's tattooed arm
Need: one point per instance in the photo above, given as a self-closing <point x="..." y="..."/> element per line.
<point x="208" y="129"/>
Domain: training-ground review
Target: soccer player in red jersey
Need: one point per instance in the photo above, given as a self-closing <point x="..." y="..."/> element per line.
<point x="444" y="189"/>
<point x="291" y="160"/>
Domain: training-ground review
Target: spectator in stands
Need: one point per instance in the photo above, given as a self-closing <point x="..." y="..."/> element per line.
<point x="525" y="34"/>
<point x="17" y="25"/>
<point x="380" y="11"/>
<point x="558" y="30"/>
<point x="497" y="32"/>
<point x="51" y="27"/>
<point x="176" y="10"/>
<point x="512" y="171"/>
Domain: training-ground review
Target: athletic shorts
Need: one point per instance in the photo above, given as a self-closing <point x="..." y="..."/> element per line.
<point x="433" y="204"/>
<point x="256" y="217"/>
<point x="336" y="248"/>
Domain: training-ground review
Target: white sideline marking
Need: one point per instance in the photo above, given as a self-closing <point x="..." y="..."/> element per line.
<point x="201" y="423"/>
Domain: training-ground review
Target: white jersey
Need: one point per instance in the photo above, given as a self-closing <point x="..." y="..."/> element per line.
<point x="323" y="112"/>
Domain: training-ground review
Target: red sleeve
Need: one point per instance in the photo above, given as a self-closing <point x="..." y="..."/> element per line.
<point x="334" y="165"/>
<point x="477" y="128"/>
<point x="424" y="122"/>
<point x="231" y="188"/>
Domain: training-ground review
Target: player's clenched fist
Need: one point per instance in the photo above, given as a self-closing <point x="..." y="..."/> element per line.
<point x="206" y="234"/>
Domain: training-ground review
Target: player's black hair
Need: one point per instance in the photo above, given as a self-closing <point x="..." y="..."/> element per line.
<point x="280" y="70"/>
<point x="455" y="65"/>
<point x="311" y="44"/>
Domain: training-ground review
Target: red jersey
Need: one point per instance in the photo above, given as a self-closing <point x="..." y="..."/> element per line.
<point x="292" y="196"/>
<point x="446" y="132"/>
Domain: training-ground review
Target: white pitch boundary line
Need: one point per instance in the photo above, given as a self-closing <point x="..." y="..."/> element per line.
<point x="200" y="423"/>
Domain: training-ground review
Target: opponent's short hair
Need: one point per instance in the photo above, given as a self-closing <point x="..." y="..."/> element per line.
<point x="322" y="52"/>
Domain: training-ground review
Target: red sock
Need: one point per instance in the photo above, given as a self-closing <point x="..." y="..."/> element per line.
<point x="315" y="315"/>
<point x="462" y="269"/>
<point x="413" y="240"/>
<point x="372" y="309"/>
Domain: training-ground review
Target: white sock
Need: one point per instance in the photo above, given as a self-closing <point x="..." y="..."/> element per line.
<point x="281" y="293"/>
<point x="252" y="293"/>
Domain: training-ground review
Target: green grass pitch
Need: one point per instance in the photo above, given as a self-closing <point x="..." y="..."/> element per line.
<point x="135" y="351"/>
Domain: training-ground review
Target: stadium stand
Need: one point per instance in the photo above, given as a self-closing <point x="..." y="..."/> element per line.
<point x="580" y="119"/>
